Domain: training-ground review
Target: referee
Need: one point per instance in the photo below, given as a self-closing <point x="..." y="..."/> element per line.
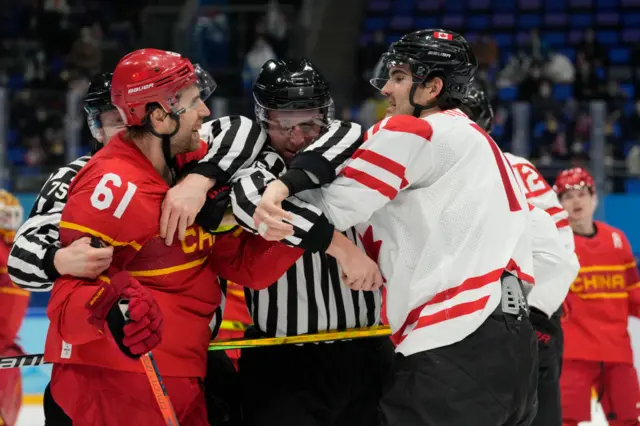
<point x="337" y="383"/>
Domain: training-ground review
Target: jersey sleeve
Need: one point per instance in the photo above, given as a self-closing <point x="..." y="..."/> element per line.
<point x="554" y="267"/>
<point x="312" y="230"/>
<point x="104" y="205"/>
<point x="395" y="154"/>
<point x="325" y="158"/>
<point x="250" y="260"/>
<point x="233" y="143"/>
<point x="30" y="262"/>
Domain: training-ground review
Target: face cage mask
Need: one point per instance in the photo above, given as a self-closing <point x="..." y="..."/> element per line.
<point x="325" y="116"/>
<point x="204" y="82"/>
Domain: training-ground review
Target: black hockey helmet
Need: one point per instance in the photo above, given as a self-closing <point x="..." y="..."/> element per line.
<point x="97" y="101"/>
<point x="431" y="53"/>
<point x="291" y="85"/>
<point x="478" y="107"/>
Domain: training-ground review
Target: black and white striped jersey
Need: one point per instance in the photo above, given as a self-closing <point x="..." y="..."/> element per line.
<point x="31" y="259"/>
<point x="311" y="296"/>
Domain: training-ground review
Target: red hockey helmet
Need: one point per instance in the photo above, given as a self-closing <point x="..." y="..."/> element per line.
<point x="575" y="178"/>
<point x="151" y="75"/>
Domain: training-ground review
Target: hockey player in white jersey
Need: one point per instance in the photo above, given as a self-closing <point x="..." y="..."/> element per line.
<point x="552" y="280"/>
<point x="436" y="203"/>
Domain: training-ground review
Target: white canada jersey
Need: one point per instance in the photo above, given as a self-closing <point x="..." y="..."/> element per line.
<point x="435" y="202"/>
<point x="541" y="195"/>
<point x="554" y="267"/>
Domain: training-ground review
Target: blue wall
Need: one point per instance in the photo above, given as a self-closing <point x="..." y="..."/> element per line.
<point x="623" y="212"/>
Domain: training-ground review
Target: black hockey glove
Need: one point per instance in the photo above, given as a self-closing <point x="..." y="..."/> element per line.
<point x="545" y="329"/>
<point x="215" y="216"/>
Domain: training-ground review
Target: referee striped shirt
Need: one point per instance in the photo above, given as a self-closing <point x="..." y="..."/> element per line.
<point x="311" y="296"/>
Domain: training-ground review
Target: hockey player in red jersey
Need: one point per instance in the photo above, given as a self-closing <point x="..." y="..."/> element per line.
<point x="597" y="350"/>
<point x="13" y="307"/>
<point x="171" y="290"/>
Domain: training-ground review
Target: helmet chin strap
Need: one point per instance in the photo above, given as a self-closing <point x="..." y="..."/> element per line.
<point x="166" y="144"/>
<point x="418" y="108"/>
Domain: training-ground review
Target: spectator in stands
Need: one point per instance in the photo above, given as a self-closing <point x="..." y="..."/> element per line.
<point x="588" y="85"/>
<point x="530" y="84"/>
<point x="277" y="28"/>
<point x="615" y="96"/>
<point x="86" y="53"/>
<point x="593" y="51"/>
<point x="631" y="125"/>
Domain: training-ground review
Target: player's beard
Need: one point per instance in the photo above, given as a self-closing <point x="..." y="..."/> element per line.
<point x="186" y="140"/>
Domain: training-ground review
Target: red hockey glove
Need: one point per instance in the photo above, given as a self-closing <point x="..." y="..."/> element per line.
<point x="132" y="314"/>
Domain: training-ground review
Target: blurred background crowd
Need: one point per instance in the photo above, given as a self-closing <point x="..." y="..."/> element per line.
<point x="563" y="75"/>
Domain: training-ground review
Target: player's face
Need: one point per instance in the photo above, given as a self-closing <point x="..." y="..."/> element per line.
<point x="195" y="111"/>
<point x="397" y="90"/>
<point x="291" y="131"/>
<point x="111" y="124"/>
<point x="580" y="204"/>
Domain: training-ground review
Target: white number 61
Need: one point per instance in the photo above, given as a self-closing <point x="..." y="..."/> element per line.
<point x="102" y="196"/>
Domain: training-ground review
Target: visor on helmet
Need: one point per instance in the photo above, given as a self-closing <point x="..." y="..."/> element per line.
<point x="324" y="116"/>
<point x="203" y="81"/>
<point x="389" y="61"/>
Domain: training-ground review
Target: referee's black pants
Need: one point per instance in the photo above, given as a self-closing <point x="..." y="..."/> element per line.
<point x="326" y="384"/>
<point x="550" y="360"/>
<point x="486" y="379"/>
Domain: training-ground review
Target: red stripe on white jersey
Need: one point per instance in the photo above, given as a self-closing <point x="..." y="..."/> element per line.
<point x="370" y="182"/>
<point x="381" y="161"/>
<point x="554" y="210"/>
<point x="464" y="308"/>
<point x="563" y="223"/>
<point x="409" y="124"/>
<point x="456" y="311"/>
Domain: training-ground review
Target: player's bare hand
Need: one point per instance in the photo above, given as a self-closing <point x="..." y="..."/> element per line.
<point x="182" y="204"/>
<point x="81" y="260"/>
<point x="359" y="271"/>
<point x="270" y="218"/>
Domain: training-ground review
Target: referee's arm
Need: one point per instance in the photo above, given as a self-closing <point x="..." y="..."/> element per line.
<point x="31" y="260"/>
<point x="312" y="230"/>
<point x="36" y="254"/>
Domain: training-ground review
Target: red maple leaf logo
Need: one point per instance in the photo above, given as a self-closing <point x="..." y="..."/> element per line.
<point x="371" y="246"/>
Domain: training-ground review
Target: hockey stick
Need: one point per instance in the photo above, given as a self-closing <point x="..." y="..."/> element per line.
<point x="327" y="336"/>
<point x="160" y="392"/>
<point x="35" y="360"/>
